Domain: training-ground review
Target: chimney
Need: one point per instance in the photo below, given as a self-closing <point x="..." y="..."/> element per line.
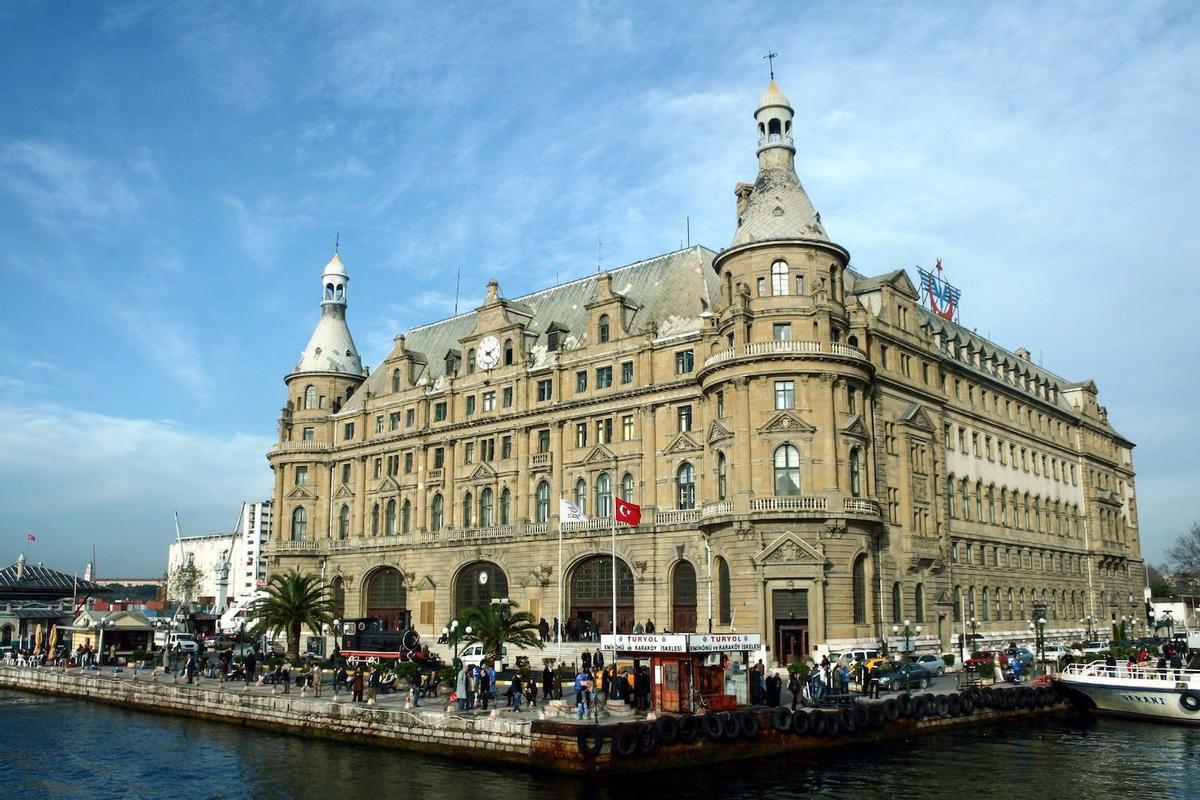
<point x="1023" y="352"/>
<point x="743" y="192"/>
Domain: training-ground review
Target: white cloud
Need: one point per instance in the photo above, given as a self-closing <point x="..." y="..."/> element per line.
<point x="61" y="189"/>
<point x="85" y="478"/>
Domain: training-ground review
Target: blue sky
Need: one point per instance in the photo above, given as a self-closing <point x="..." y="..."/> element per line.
<point x="172" y="178"/>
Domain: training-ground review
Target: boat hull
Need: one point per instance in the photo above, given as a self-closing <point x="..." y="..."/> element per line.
<point x="1156" y="700"/>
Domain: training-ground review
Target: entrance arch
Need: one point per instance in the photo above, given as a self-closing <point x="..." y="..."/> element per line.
<point x="591" y="594"/>
<point x="683" y="597"/>
<point x="470" y="590"/>
<point x="386" y="598"/>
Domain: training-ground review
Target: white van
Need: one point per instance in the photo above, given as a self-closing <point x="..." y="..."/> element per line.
<point x="472" y="656"/>
<point x="186" y="641"/>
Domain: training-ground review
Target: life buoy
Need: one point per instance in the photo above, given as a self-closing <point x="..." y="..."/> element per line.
<point x="689" y="728"/>
<point x="625" y="740"/>
<point x="1189" y="701"/>
<point x="905" y="702"/>
<point x="733" y="727"/>
<point x="953" y="705"/>
<point x="966" y="704"/>
<point x="750" y="724"/>
<point x="942" y="704"/>
<point x="590" y="740"/>
<point x="648" y="739"/>
<point x="849" y="720"/>
<point x="891" y="709"/>
<point x="801" y="724"/>
<point x="668" y="729"/>
<point x="833" y="724"/>
<point x="713" y="726"/>
<point x="781" y="720"/>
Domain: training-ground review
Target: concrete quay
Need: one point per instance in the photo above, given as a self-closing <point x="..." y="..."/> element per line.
<point x="532" y="738"/>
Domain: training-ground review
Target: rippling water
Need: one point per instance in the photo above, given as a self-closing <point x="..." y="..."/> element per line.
<point x="59" y="748"/>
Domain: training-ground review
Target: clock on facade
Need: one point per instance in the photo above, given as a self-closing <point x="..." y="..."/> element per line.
<point x="488" y="355"/>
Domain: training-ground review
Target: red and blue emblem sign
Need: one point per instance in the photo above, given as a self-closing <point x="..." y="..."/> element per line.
<point x="941" y="296"/>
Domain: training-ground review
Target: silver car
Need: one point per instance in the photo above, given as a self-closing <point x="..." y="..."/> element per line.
<point x="933" y="664"/>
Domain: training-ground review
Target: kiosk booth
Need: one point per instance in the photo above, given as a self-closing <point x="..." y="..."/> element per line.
<point x="687" y="670"/>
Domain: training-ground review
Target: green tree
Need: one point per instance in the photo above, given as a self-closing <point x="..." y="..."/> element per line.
<point x="293" y="601"/>
<point x="1184" y="555"/>
<point x="495" y="624"/>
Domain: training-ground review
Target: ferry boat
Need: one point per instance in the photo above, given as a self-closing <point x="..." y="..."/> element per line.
<point x="1144" y="692"/>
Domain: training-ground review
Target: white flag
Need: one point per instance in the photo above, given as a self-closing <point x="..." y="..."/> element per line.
<point x="569" y="512"/>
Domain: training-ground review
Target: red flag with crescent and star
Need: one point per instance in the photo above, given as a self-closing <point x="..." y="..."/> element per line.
<point x="31" y="538"/>
<point x="628" y="512"/>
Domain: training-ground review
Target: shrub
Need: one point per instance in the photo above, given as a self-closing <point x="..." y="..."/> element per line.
<point x="138" y="655"/>
<point x="447" y="675"/>
<point x="406" y="670"/>
<point x="949" y="659"/>
<point x="801" y="668"/>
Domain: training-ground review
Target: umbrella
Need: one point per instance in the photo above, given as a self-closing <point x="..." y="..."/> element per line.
<point x="37" y="638"/>
<point x="54" y="634"/>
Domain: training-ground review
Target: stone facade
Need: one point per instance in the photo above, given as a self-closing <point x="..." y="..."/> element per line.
<point x="816" y="455"/>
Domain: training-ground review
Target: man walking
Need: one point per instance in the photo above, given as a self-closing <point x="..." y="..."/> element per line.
<point x="356" y="685"/>
<point x="460" y="687"/>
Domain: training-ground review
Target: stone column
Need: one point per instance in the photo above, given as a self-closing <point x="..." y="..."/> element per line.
<point x="520" y="492"/>
<point x="743" y="432"/>
<point x="827" y="397"/>
<point x="649" y="468"/>
<point x="360" y="497"/>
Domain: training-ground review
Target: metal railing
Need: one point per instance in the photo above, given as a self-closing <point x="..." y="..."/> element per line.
<point x="788" y="503"/>
<point x="1143" y="671"/>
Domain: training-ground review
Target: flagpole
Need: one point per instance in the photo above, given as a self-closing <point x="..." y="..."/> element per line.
<point x="613" y="513"/>
<point x="559" y="622"/>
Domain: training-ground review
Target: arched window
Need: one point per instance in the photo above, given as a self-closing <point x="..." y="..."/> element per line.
<point x="389" y="518"/>
<point x="919" y="603"/>
<point x="299" y="525"/>
<point x="505" y="504"/>
<point x="395" y="380"/>
<point x="406" y="517"/>
<point x="602" y="328"/>
<point x="859" y="580"/>
<point x="856" y="472"/>
<point x="986" y="606"/>
<point x="991" y="504"/>
<point x="787" y="470"/>
<point x="310" y="397"/>
<point x="603" y="495"/>
<point x="477" y="584"/>
<point x="344" y="522"/>
<point x="375" y="520"/>
<point x="897" y="605"/>
<point x="543" y="502"/>
<point x="774" y="128"/>
<point x="470" y="361"/>
<point x="722" y="477"/>
<point x="779" y="278"/>
<point x="1011" y="610"/>
<point x="339" y="598"/>
<point x="951" y="507"/>
<point x="508" y="352"/>
<point x="685" y="486"/>
<point x="581" y="495"/>
<point x="958" y="604"/>
<point x="387" y="598"/>
<point x="468" y="506"/>
<point x="436" y="512"/>
<point x="329" y="291"/>
<point x="979" y="502"/>
<point x="996" y="603"/>
<point x="724" y="599"/>
<point x="485" y="508"/>
<point x="627" y="487"/>
<point x="683" y="597"/>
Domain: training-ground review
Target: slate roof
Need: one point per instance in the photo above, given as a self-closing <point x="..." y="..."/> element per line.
<point x="670" y="290"/>
<point x="778" y="208"/>
<point x="42" y="581"/>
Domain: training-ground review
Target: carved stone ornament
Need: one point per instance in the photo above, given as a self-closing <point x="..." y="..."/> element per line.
<point x="920" y="489"/>
<point x="786" y="422"/>
<point x="682" y="444"/>
<point x="834" y="529"/>
<point x="788" y="551"/>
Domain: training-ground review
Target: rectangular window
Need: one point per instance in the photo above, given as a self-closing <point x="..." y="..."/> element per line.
<point x="487" y="450"/>
<point x="439" y="411"/>
<point x="957" y="389"/>
<point x="427" y="612"/>
<point x="975" y="444"/>
<point x="883" y="356"/>
<point x="1000" y="452"/>
<point x="949" y="439"/>
<point x="626" y="372"/>
<point x="470" y="404"/>
<point x="302" y="475"/>
<point x="408" y="462"/>
<point x="987" y="447"/>
<point x="394" y="421"/>
<point x="781" y="331"/>
<point x="439" y="457"/>
<point x="925" y="373"/>
<point x="581" y="434"/>
<point x="506" y="447"/>
<point x="378" y="471"/>
<point x="785" y="395"/>
<point x="506" y="397"/>
<point x="410" y="417"/>
<point x="905" y="365"/>
<point x="379" y="423"/>
<point x="603" y="377"/>
<point x="603" y="431"/>
<point x="545" y="389"/>
<point x="761" y="285"/>
<point x="308" y="434"/>
<point x="489" y="401"/>
<point x="685" y="362"/>
<point x="889" y="438"/>
<point x="851" y="400"/>
<point x="627" y="428"/>
<point x="799" y="284"/>
<point x="393" y="465"/>
<point x="544" y="440"/>
<point x="581" y="381"/>
<point x="962" y="440"/>
<point x="684" y="418"/>
<point x="348" y="431"/>
<point x="720" y="405"/>
<point x="346" y="472"/>
<point x="893" y="505"/>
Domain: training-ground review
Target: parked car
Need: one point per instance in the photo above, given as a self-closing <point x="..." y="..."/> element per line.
<point x="986" y="658"/>
<point x="1024" y="654"/>
<point x="472" y="655"/>
<point x="1055" y="653"/>
<point x="1095" y="647"/>
<point x="897" y="676"/>
<point x="851" y="656"/>
<point x="935" y="664"/>
<point x="218" y="641"/>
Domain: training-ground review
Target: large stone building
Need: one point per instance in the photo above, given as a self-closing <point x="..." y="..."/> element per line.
<point x="817" y="456"/>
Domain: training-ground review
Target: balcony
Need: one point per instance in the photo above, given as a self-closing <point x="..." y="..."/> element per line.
<point x="539" y="462"/>
<point x="490" y="534"/>
<point x="720" y="509"/>
<point x="677" y="517"/>
<point x="790" y="503"/>
<point x="597" y="524"/>
<point x="859" y="505"/>
<point x="435" y="476"/>
<point x="301" y="447"/>
<point x="305" y="546"/>
<point x="786" y="346"/>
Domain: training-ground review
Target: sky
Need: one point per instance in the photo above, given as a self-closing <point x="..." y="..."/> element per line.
<point x="173" y="177"/>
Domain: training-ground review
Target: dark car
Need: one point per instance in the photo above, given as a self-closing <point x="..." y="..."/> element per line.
<point x="898" y="677"/>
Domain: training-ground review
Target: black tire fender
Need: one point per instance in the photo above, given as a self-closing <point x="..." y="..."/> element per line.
<point x="801" y="723"/>
<point x="749" y="723"/>
<point x="953" y="705"/>
<point x="781" y="720"/>
<point x="590" y="740"/>
<point x="833" y="724"/>
<point x="876" y="717"/>
<point x="689" y="728"/>
<point x="625" y="740"/>
<point x="966" y="704"/>
<point x="891" y="709"/>
<point x="816" y="723"/>
<point x="668" y="730"/>
<point x="942" y="704"/>
<point x="731" y="724"/>
<point x="849" y="720"/>
<point x="905" y="703"/>
<point x="648" y="738"/>
<point x="862" y="715"/>
<point x="1189" y="701"/>
<point x="713" y="726"/>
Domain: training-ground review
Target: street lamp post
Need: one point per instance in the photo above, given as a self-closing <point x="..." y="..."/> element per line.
<point x="909" y="632"/>
<point x="1038" y="627"/>
<point x="1089" y="624"/>
<point x="337" y="652"/>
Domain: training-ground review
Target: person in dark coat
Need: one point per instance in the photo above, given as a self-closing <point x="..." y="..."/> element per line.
<point x="357" y="685"/>
<point x="548" y="683"/>
<point x="587" y="661"/>
<point x="250" y="663"/>
<point x="485" y="685"/>
<point x="774" y="690"/>
<point x="795" y="687"/>
<point x="598" y="659"/>
<point x="641" y="689"/>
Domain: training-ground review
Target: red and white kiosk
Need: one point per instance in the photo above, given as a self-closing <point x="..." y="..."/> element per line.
<point x="687" y="670"/>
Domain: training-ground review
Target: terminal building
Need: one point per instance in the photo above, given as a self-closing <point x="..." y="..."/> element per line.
<point x="818" y="456"/>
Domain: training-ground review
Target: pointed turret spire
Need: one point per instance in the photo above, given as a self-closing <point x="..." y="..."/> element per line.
<point x="331" y="348"/>
<point x="777" y="207"/>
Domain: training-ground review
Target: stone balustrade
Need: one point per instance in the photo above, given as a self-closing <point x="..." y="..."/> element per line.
<point x="784" y="346"/>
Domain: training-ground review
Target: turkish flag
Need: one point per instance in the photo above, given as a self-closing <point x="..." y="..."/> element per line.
<point x="31" y="538"/>
<point x="628" y="512"/>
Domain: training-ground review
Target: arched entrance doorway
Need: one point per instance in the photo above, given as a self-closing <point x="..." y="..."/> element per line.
<point x="387" y="599"/>
<point x="683" y="597"/>
<point x="591" y="594"/>
<point x="478" y="584"/>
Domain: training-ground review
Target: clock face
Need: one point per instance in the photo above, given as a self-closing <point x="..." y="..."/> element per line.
<point x="488" y="355"/>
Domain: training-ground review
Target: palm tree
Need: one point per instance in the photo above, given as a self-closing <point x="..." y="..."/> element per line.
<point x="494" y="625"/>
<point x="293" y="601"/>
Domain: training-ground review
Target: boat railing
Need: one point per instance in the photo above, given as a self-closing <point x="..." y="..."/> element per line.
<point x="1147" y="670"/>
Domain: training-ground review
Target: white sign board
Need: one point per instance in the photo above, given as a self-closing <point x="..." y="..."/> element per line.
<point x="722" y="642"/>
<point x="645" y="643"/>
